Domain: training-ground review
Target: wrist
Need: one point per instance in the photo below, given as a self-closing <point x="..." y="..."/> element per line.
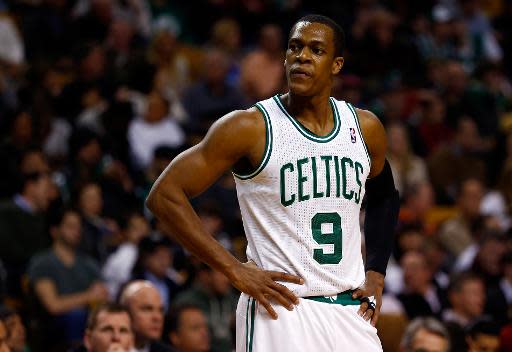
<point x="232" y="269"/>
<point x="375" y="277"/>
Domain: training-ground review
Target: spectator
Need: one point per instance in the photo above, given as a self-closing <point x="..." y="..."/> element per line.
<point x="22" y="219"/>
<point x="226" y="36"/>
<point x="16" y="332"/>
<point x="173" y="67"/>
<point x="456" y="162"/>
<point x="155" y="128"/>
<point x="109" y="329"/>
<point x="96" y="230"/>
<point x="408" y="169"/>
<point x="419" y="201"/>
<point x="480" y="30"/>
<point x="154" y="264"/>
<point x="435" y="41"/>
<point x="188" y="329"/>
<point x="86" y="153"/>
<point x="212" y="292"/>
<point x="425" y="334"/>
<point x="119" y="265"/>
<point x="144" y="303"/>
<point x="466" y="295"/>
<point x="65" y="282"/>
<point x="456" y="234"/>
<point x="420" y="296"/>
<point x="262" y="70"/>
<point x="431" y="128"/>
<point x="90" y="87"/>
<point x="484" y="336"/>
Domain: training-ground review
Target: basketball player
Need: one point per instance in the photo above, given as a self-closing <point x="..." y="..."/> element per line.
<point x="300" y="161"/>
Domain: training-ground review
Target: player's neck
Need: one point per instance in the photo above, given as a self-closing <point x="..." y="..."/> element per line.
<point x="316" y="109"/>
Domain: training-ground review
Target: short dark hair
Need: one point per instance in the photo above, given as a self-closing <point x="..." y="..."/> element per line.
<point x="458" y="280"/>
<point x="92" y="319"/>
<point x="174" y="316"/>
<point x="57" y="215"/>
<point x="339" y="34"/>
<point x="484" y="326"/>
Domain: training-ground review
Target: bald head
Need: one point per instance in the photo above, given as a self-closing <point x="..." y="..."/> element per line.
<point x="133" y="289"/>
<point x="146" y="309"/>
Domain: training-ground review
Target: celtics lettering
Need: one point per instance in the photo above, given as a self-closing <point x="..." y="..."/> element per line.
<point x="312" y="176"/>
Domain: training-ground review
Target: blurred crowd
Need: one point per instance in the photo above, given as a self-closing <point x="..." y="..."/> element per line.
<point x="98" y="96"/>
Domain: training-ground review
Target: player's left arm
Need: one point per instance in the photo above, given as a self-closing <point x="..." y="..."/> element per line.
<point x="381" y="214"/>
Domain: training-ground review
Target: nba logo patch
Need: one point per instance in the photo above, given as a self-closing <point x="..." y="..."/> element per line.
<point x="352" y="135"/>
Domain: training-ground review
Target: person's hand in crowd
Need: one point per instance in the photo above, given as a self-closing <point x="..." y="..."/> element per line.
<point x="98" y="292"/>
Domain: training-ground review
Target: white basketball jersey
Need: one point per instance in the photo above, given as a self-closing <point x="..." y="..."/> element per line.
<point x="300" y="207"/>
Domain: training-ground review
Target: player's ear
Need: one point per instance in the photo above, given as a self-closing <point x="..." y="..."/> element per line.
<point x="337" y="64"/>
<point x="284" y="64"/>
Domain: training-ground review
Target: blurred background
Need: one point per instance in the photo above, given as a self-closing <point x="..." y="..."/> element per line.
<point x="98" y="96"/>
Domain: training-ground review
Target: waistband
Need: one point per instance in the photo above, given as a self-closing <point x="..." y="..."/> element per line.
<point x="344" y="298"/>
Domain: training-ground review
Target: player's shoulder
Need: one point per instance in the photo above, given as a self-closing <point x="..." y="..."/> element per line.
<point x="370" y="123"/>
<point x="241" y="127"/>
<point x="242" y="120"/>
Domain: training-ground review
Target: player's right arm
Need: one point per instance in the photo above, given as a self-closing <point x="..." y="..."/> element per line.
<point x="240" y="134"/>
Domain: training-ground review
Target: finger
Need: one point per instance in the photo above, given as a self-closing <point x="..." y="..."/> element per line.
<point x="279" y="276"/>
<point x="368" y="313"/>
<point x="278" y="297"/>
<point x="375" y="316"/>
<point x="265" y="303"/>
<point x="378" y="305"/>
<point x="285" y="291"/>
<point x="362" y="308"/>
<point x="358" y="293"/>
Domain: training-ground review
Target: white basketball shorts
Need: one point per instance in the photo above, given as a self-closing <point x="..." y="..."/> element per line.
<point x="316" y="324"/>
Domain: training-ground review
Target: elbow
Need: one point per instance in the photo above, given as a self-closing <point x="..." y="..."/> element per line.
<point x="150" y="201"/>
<point x="152" y="198"/>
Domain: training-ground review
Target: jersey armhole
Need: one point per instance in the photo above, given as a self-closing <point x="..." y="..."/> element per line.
<point x="356" y="118"/>
<point x="268" y="146"/>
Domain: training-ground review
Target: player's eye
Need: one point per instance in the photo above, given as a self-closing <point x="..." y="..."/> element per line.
<point x="318" y="51"/>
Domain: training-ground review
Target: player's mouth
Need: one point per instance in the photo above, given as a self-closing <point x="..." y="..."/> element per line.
<point x="298" y="72"/>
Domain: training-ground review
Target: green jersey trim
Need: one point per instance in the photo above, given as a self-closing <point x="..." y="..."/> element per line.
<point x="343" y="298"/>
<point x="354" y="113"/>
<point x="307" y="133"/>
<point x="268" y="146"/>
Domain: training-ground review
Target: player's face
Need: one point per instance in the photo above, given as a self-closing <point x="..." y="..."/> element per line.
<point x="310" y="59"/>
